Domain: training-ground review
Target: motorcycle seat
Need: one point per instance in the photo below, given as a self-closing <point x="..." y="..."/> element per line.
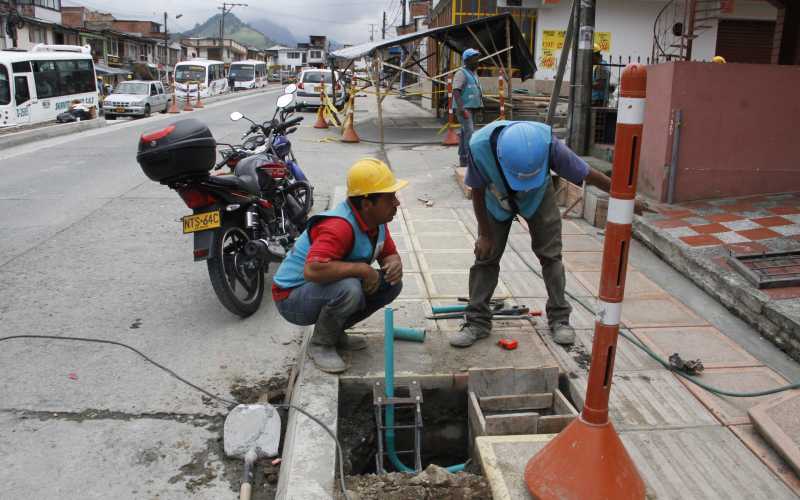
<point x="229" y="181"/>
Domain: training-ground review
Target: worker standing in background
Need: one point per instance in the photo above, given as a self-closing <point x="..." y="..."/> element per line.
<point x="467" y="98"/>
<point x="601" y="79"/>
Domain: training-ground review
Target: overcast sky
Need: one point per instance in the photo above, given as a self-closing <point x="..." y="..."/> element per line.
<point x="346" y="21"/>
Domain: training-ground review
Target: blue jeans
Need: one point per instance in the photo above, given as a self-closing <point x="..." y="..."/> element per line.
<point x="334" y="307"/>
<point x="467" y="128"/>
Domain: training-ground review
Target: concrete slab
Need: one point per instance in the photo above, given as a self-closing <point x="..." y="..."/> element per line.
<point x="454" y="284"/>
<point x="574" y="358"/>
<point x="409" y="313"/>
<point x="636" y="284"/>
<point x="584" y="261"/>
<point x="733" y="411"/>
<point x="654" y="312"/>
<point x="695" y="463"/>
<point x="436" y="226"/>
<point x="778" y="420"/>
<point x="442" y="241"/>
<point x="432" y="213"/>
<point x="437" y="357"/>
<point x="524" y="284"/>
<point x="580" y="243"/>
<point x="446" y="260"/>
<point x="647" y="400"/>
<point x="410" y="264"/>
<point x="413" y="286"/>
<point x="571" y="227"/>
<point x="515" y="261"/>
<point x="762" y="449"/>
<point x="580" y="317"/>
<point x="705" y="342"/>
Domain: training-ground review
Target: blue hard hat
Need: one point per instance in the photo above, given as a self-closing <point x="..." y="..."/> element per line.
<point x="469" y="53"/>
<point x="522" y="151"/>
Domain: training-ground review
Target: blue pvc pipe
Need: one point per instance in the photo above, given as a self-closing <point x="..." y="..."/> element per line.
<point x="412" y="334"/>
<point x="388" y="355"/>
<point x="449" y="309"/>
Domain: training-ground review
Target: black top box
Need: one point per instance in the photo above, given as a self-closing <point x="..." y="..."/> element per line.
<point x="184" y="149"/>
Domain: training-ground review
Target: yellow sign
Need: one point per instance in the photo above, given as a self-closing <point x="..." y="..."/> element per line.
<point x="603" y="39"/>
<point x="553" y="40"/>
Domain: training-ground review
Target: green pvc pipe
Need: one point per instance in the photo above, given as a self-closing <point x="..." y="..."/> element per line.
<point x="412" y="334"/>
<point x="388" y="354"/>
<point x="449" y="309"/>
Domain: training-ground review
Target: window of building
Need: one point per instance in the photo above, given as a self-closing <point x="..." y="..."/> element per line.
<point x="37" y="34"/>
<point x="113" y="48"/>
<point x="316" y="54"/>
<point x="293" y="55"/>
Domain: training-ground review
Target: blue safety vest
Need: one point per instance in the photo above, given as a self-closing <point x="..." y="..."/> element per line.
<point x="471" y="94"/>
<point x="497" y="199"/>
<point x="290" y="272"/>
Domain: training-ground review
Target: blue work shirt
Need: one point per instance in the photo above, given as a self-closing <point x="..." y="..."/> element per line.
<point x="563" y="161"/>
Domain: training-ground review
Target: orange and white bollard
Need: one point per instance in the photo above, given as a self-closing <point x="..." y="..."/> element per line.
<point x="501" y="94"/>
<point x="173" y="107"/>
<point x="451" y="138"/>
<point x="587" y="460"/>
<point x="321" y="123"/>
<point x="198" y="104"/>
<point x="187" y="103"/>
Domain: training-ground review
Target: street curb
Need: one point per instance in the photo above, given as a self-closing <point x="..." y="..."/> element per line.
<point x="740" y="298"/>
<point x="38" y="134"/>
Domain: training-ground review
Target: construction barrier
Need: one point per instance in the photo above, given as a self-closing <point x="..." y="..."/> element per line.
<point x="501" y="94"/>
<point x="198" y="104"/>
<point x="451" y="139"/>
<point x="587" y="460"/>
<point x="349" y="133"/>
<point x="321" y="123"/>
<point x="173" y="107"/>
<point x="187" y="102"/>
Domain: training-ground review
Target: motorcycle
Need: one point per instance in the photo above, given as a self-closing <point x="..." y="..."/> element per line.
<point x="242" y="222"/>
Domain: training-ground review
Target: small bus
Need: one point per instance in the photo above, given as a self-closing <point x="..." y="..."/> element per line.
<point x="38" y="85"/>
<point x="248" y="74"/>
<point x="209" y="75"/>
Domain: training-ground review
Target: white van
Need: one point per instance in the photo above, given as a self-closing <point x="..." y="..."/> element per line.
<point x="310" y="83"/>
<point x="247" y="75"/>
<point x="206" y="75"/>
<point x="38" y="85"/>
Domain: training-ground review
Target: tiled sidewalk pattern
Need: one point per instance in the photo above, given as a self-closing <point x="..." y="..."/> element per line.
<point x="646" y="397"/>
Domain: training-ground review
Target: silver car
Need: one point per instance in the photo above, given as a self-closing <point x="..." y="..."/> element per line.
<point x="136" y="98"/>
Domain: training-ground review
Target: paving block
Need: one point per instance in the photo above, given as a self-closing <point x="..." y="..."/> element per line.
<point x="456" y="284"/>
<point x="524" y="283"/>
<point x="397" y="226"/>
<point x="571" y="227"/>
<point x="436" y="226"/>
<point x="446" y="260"/>
<point x="703" y="342"/>
<point x="581" y="318"/>
<point x="432" y="213"/>
<point x="413" y="287"/>
<point x="402" y="243"/>
<point x="443" y="241"/>
<point x="460" y="173"/>
<point x="580" y="243"/>
<point x="410" y="264"/>
<point x="762" y="449"/>
<point x="729" y="410"/>
<point x="778" y="421"/>
<point x="647" y="400"/>
<point x="515" y="261"/>
<point x="637" y="285"/>
<point x="409" y="313"/>
<point x="584" y="261"/>
<point x="655" y="312"/>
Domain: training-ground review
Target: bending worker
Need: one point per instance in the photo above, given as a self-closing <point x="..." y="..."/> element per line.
<point x="327" y="279"/>
<point x="467" y="99"/>
<point x="509" y="173"/>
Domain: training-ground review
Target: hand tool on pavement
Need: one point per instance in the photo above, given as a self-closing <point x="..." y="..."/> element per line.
<point x="515" y="312"/>
<point x="508" y="344"/>
<point x="251" y="432"/>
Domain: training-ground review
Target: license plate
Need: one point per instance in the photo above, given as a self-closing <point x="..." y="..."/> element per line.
<point x="201" y="222"/>
<point x="119" y="110"/>
<point x="316" y="88"/>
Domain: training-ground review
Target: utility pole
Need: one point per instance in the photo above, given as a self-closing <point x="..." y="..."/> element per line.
<point x="226" y="7"/>
<point x="166" y="42"/>
<point x="372" y="32"/>
<point x="583" y="77"/>
<point x="383" y="29"/>
<point x="403" y="6"/>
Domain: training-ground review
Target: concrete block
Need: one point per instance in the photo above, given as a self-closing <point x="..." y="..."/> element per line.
<point x="512" y="423"/>
<point x="408" y="313"/>
<point x="706" y="343"/>
<point x="517" y="402"/>
<point x="767" y="454"/>
<point x="13" y="139"/>
<point x="729" y="410"/>
<point x="595" y="206"/>
<point x="778" y="421"/>
<point x="510" y="380"/>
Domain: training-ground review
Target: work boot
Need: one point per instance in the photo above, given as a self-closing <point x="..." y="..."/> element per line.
<point x="326" y="358"/>
<point x="563" y="333"/>
<point x="352" y="342"/>
<point x="467" y="335"/>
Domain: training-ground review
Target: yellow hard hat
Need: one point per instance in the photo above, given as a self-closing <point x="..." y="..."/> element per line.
<point x="368" y="176"/>
<point x="718" y="59"/>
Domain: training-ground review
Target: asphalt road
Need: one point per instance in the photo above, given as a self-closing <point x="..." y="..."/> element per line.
<point x="89" y="247"/>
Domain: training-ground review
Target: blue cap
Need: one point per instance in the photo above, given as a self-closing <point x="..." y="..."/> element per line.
<point x="469" y="53"/>
<point x="522" y="151"/>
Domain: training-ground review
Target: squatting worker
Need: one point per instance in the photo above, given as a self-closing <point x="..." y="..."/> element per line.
<point x="467" y="99"/>
<point x="327" y="279"/>
<point x="509" y="173"/>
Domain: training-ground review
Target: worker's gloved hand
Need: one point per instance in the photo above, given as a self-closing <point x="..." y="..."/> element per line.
<point x="371" y="281"/>
<point x="483" y="247"/>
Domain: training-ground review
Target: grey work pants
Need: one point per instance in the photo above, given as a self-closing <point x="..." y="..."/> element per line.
<point x="467" y="128"/>
<point x="545" y="230"/>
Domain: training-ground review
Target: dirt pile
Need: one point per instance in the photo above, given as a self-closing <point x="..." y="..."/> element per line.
<point x="434" y="483"/>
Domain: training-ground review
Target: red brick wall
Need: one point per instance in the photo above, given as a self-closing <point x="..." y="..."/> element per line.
<point x="419" y="8"/>
<point x="72" y="16"/>
<point x="736" y="139"/>
<point x="144" y="27"/>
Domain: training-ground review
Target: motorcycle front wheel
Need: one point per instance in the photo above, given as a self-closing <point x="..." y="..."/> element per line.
<point x="237" y="281"/>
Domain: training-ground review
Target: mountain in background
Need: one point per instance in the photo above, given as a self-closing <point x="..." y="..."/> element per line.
<point x="275" y="31"/>
<point x="234" y="29"/>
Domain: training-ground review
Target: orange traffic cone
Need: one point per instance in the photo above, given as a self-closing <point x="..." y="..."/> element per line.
<point x="321" y="123"/>
<point x="349" y="133"/>
<point x="187" y="103"/>
<point x="199" y="103"/>
<point x="173" y="106"/>
<point x="450" y="139"/>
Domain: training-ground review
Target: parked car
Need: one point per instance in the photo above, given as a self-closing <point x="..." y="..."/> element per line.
<point x="309" y="86"/>
<point x="136" y="98"/>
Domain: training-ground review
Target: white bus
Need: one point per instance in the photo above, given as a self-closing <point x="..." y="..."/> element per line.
<point x="248" y="74"/>
<point x="208" y="74"/>
<point x="38" y="85"/>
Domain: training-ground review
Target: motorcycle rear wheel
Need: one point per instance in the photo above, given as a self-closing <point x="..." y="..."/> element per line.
<point x="239" y="288"/>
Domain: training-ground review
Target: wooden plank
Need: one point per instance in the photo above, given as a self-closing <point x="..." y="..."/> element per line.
<point x="514" y="423"/>
<point x="517" y="402"/>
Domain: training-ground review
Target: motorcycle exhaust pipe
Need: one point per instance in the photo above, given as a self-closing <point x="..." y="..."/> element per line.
<point x="260" y="249"/>
<point x="294" y="210"/>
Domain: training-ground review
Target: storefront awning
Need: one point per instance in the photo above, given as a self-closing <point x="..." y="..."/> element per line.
<point x="103" y="70"/>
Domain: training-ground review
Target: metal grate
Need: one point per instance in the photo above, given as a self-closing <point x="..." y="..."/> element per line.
<point x="769" y="270"/>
